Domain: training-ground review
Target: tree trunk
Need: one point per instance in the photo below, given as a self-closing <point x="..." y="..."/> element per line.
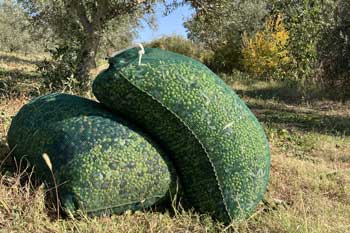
<point x="86" y="60"/>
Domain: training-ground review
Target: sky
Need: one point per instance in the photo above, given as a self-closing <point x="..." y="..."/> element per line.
<point x="167" y="25"/>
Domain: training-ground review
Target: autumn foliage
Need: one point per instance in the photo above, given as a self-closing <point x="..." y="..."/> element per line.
<point x="265" y="54"/>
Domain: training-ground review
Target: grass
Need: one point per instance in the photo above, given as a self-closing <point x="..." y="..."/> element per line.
<point x="18" y="75"/>
<point x="309" y="188"/>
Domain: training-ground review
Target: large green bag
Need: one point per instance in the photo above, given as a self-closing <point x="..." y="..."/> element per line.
<point x="217" y="146"/>
<point x="102" y="164"/>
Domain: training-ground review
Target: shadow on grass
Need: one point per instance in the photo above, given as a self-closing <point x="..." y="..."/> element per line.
<point x="290" y="93"/>
<point x="6" y="162"/>
<point x="15" y="83"/>
<point x="15" y="59"/>
<point x="18" y="75"/>
<point x="306" y="121"/>
<point x="281" y="93"/>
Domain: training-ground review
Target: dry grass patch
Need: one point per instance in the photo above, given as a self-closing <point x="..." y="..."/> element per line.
<point x="20" y="62"/>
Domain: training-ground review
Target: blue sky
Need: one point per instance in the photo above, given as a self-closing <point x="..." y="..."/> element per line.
<point x="167" y="25"/>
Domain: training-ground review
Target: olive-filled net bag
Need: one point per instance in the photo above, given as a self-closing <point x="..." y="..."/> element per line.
<point x="217" y="146"/>
<point x="102" y="164"/>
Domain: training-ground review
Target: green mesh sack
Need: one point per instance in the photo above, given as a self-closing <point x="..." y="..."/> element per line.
<point x="102" y="164"/>
<point x="217" y="146"/>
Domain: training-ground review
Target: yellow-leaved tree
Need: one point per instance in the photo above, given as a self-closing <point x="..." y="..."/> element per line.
<point x="265" y="55"/>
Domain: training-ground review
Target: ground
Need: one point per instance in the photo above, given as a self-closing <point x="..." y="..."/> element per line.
<point x="309" y="189"/>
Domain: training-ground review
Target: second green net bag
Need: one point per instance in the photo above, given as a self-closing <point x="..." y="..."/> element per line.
<point x="102" y="164"/>
<point x="216" y="144"/>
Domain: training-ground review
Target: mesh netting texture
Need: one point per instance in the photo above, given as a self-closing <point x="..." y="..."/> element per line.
<point x="216" y="144"/>
<point x="102" y="164"/>
<point x="162" y="117"/>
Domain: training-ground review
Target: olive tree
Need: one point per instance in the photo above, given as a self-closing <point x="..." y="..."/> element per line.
<point x="219" y="25"/>
<point x="15" y="29"/>
<point x="334" y="51"/>
<point x="82" y="24"/>
<point x="305" y="21"/>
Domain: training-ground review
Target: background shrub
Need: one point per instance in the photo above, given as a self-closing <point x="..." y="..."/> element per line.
<point x="58" y="73"/>
<point x="179" y="44"/>
<point x="265" y="54"/>
<point x="334" y="52"/>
